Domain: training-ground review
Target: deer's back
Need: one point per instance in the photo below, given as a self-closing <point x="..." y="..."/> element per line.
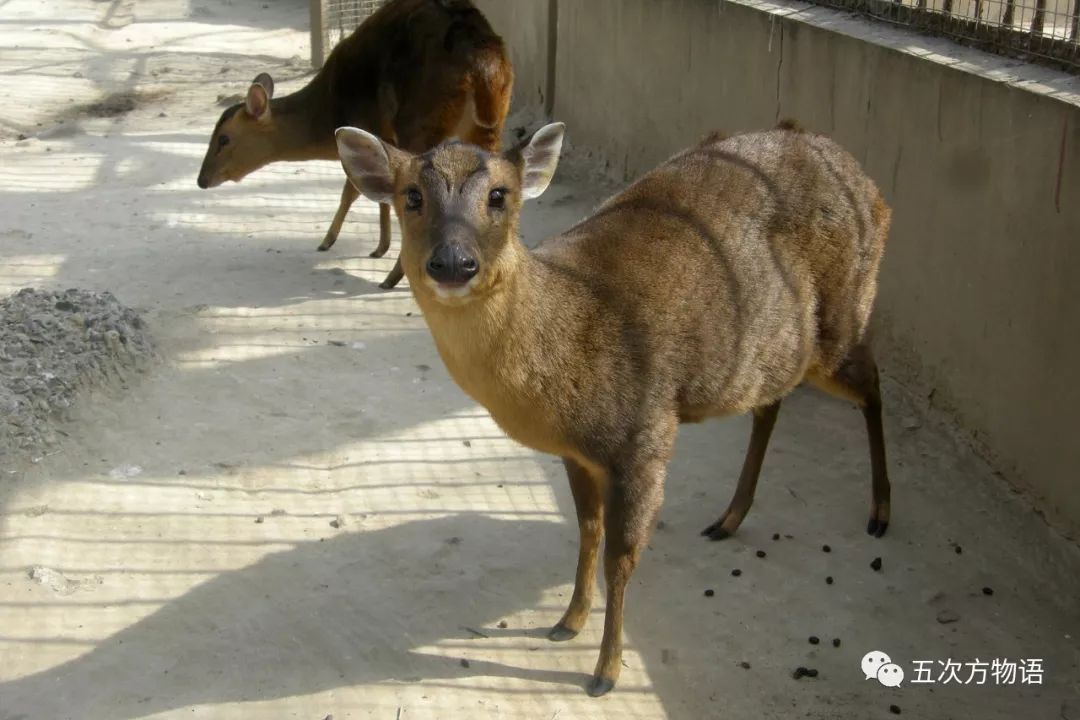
<point x="421" y="55"/>
<point x="727" y="273"/>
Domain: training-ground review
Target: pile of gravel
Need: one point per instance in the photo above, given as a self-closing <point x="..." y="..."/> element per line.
<point x="52" y="346"/>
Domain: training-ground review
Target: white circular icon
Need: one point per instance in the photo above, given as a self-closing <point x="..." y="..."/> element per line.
<point x="874" y="661"/>
<point x="890" y="675"/>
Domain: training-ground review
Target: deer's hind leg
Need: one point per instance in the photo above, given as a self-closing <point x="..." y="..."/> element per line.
<point x="589" y="502"/>
<point x="857" y="380"/>
<point x="764" y="420"/>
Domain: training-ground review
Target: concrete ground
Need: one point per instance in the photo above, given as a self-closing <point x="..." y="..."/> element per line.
<point x="297" y="514"/>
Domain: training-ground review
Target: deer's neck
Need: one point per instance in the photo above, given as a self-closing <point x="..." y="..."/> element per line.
<point x="491" y="345"/>
<point x="299" y="131"/>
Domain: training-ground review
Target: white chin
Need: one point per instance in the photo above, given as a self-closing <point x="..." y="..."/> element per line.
<point x="450" y="294"/>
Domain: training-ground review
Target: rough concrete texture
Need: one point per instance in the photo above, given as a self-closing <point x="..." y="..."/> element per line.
<point x="297" y="513"/>
<point x="978" y="155"/>
<point x="55" y="346"/>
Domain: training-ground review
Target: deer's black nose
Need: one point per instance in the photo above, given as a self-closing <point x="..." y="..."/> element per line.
<point x="452" y="264"/>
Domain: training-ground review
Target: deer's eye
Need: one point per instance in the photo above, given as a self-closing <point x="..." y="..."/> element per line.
<point x="222" y="141"/>
<point x="413" y="199"/>
<point x="497" y="199"/>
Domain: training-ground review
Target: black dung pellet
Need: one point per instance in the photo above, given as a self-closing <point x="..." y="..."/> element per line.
<point x="464" y="663"/>
<point x="959" y="551"/>
<point x="876" y="564"/>
<point x="826" y="548"/>
<point x="776" y="536"/>
<point x="502" y="624"/>
<point x="836" y="642"/>
<point x="709" y="592"/>
<point x="761" y="553"/>
<point x="744" y="665"/>
<point x="814" y="639"/>
<point x="894" y="709"/>
<point x="801" y="672"/>
<point x="736" y="572"/>
<point x="988" y="591"/>
<point x="828" y="580"/>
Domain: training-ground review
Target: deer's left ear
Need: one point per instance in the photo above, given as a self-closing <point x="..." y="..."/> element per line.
<point x="538" y="157"/>
<point x="371" y="164"/>
<point x="257" y="102"/>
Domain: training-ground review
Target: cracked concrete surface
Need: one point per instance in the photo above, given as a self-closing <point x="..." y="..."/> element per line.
<point x="299" y="515"/>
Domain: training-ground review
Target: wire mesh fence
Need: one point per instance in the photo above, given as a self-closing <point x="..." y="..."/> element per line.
<point x="1042" y="30"/>
<point x="333" y="20"/>
<point x="1046" y="31"/>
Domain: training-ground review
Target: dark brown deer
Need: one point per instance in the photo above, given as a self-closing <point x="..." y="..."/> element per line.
<point x="415" y="73"/>
<point x="712" y="286"/>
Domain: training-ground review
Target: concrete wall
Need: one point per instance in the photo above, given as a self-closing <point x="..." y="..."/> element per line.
<point x="523" y="25"/>
<point x="979" y="297"/>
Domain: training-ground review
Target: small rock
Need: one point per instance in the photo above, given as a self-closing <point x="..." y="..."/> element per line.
<point x="467" y="443"/>
<point x="710" y="592"/>
<point x="911" y="423"/>
<point x="945" y="617"/>
<point x="336" y="343"/>
<point x="876" y="564"/>
<point x="277" y="512"/>
<point x="464" y="663"/>
<point x="259" y="520"/>
<point x="502" y="625"/>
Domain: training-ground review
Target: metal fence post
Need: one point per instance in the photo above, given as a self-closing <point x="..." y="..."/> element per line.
<point x="316" y="10"/>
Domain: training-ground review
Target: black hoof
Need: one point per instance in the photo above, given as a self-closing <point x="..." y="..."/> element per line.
<point x="324" y="247"/>
<point x="387" y="285"/>
<point x="875" y="528"/>
<point x="377" y="253"/>
<point x="716" y="531"/>
<point x="599" y="686"/>
<point x="561" y="633"/>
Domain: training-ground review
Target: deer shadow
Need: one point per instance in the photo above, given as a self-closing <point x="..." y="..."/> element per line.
<point x="355" y="614"/>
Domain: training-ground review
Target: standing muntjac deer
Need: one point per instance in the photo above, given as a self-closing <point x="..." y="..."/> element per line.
<point x="416" y="72"/>
<point x="712" y="286"/>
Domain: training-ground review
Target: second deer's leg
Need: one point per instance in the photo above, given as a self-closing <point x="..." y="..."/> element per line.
<point x="384" y="231"/>
<point x="633" y="498"/>
<point x="764" y="420"/>
<point x="857" y="380"/>
<point x="589" y="503"/>
<point x="393" y="277"/>
<point x="348" y="197"/>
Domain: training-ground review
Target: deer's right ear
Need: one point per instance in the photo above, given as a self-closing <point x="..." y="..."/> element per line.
<point x="538" y="157"/>
<point x="370" y="163"/>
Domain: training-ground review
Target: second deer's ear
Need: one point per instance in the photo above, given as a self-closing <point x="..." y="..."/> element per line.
<point x="538" y="157"/>
<point x="370" y="163"/>
<point x="258" y="97"/>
